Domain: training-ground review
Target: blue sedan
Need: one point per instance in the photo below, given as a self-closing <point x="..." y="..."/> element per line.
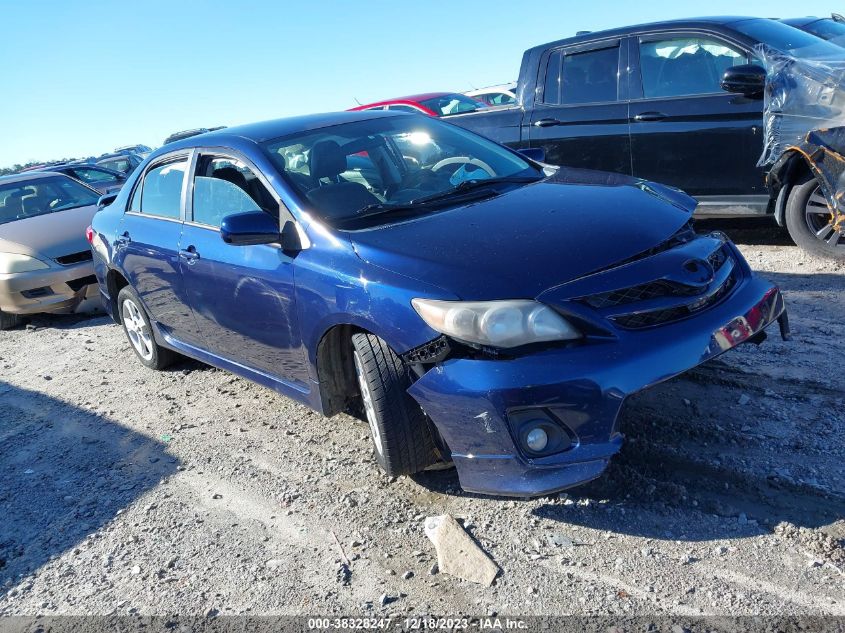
<point x="473" y="305"/>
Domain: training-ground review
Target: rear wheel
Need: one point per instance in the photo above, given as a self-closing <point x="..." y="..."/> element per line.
<point x="8" y="321"/>
<point x="401" y="438"/>
<point x="138" y="330"/>
<point x="810" y="222"/>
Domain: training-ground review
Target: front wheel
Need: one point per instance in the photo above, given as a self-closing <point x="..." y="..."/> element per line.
<point x="136" y="325"/>
<point x="810" y="222"/>
<point x="401" y="438"/>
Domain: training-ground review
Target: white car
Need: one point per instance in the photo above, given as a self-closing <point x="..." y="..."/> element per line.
<point x="501" y="95"/>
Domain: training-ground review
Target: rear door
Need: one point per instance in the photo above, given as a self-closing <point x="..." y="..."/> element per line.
<point x="688" y="132"/>
<point x="242" y="296"/>
<point x="147" y="245"/>
<point x="580" y="118"/>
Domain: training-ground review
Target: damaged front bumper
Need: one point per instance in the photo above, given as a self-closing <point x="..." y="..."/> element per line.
<point x="475" y="402"/>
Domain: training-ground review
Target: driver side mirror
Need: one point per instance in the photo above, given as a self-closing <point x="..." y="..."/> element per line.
<point x="259" y="227"/>
<point x="746" y="79"/>
<point x="106" y="200"/>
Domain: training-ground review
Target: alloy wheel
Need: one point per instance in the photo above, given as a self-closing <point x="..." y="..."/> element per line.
<point x="821" y="221"/>
<point x="137" y="330"/>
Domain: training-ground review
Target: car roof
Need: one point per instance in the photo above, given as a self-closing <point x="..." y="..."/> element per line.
<point x="802" y="21"/>
<point x="267" y="130"/>
<point x="623" y="31"/>
<point x="30" y="175"/>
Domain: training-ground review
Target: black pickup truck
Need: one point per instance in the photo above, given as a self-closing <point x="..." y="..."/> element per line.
<point x="677" y="102"/>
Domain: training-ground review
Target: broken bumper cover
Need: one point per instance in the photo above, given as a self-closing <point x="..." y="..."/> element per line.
<point x="55" y="290"/>
<point x="583" y="388"/>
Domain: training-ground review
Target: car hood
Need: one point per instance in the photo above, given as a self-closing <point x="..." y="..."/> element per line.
<point x="518" y="244"/>
<point x="50" y="235"/>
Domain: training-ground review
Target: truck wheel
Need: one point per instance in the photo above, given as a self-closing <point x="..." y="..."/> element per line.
<point x="138" y="330"/>
<point x="8" y="321"/>
<point x="810" y="222"/>
<point x="401" y="438"/>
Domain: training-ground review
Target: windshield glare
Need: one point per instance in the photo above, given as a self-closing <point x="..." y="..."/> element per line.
<point x="29" y="198"/>
<point x="340" y="170"/>
<point x="788" y="39"/>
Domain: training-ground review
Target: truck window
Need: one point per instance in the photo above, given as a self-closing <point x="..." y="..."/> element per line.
<point x="587" y="77"/>
<point x="685" y="65"/>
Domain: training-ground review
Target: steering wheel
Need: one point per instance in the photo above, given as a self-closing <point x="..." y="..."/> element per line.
<point x="464" y="160"/>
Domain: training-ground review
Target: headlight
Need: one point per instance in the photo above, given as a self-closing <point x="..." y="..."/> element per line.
<point x="495" y="323"/>
<point x="15" y="263"/>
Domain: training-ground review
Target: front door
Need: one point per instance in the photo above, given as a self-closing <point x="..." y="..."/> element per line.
<point x="685" y="130"/>
<point x="147" y="243"/>
<point x="242" y="296"/>
<point x="580" y="120"/>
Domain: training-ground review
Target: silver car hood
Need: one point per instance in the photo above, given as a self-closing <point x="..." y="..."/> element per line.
<point x="50" y="235"/>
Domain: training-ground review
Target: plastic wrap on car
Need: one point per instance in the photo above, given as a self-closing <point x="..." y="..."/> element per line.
<point x="804" y="112"/>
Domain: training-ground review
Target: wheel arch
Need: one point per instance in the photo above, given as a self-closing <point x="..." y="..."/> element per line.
<point x="115" y="282"/>
<point x="790" y="169"/>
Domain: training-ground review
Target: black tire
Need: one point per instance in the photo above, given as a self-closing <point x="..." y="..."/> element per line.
<point x="8" y="321"/>
<point x="139" y="332"/>
<point x="402" y="442"/>
<point x="807" y="219"/>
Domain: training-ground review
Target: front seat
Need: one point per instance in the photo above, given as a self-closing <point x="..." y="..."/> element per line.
<point x="336" y="198"/>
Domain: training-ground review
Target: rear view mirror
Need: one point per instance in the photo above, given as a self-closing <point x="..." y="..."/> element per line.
<point x="250" y="228"/>
<point x="537" y="154"/>
<point x="106" y="200"/>
<point x="746" y="79"/>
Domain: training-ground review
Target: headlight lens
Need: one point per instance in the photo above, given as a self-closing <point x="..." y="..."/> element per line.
<point x="16" y="263"/>
<point x="495" y="323"/>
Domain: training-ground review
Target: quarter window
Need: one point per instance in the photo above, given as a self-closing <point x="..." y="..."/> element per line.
<point x="582" y="77"/>
<point x="223" y="186"/>
<point x="161" y="191"/>
<point x="685" y="65"/>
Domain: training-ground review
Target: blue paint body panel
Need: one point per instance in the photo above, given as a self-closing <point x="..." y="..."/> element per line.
<point x="570" y="241"/>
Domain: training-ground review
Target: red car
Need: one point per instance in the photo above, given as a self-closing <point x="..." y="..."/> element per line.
<point x="438" y="104"/>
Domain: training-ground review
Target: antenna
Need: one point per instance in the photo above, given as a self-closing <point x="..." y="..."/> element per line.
<point x="355" y="99"/>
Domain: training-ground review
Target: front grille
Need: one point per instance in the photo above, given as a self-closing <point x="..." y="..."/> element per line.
<point x="77" y="284"/>
<point x="658" y="317"/>
<point x="75" y="258"/>
<point x="643" y="292"/>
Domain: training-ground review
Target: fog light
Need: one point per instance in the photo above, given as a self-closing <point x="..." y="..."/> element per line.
<point x="536" y="439"/>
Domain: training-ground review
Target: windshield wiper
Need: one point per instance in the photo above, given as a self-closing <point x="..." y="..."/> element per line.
<point x="469" y="185"/>
<point x="463" y="192"/>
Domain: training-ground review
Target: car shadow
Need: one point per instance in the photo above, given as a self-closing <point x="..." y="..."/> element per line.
<point x="64" y="473"/>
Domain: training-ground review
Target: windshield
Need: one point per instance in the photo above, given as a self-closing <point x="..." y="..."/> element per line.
<point x="343" y="170"/>
<point x="29" y="198"/>
<point x="828" y="29"/>
<point x="788" y="39"/>
<point x="448" y="105"/>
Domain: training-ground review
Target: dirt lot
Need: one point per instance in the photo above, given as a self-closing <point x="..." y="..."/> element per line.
<point x="191" y="491"/>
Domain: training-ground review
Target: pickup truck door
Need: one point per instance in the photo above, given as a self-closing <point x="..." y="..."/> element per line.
<point x="580" y="117"/>
<point x="685" y="130"/>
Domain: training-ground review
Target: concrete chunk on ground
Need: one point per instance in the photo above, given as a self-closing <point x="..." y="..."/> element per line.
<point x="457" y="553"/>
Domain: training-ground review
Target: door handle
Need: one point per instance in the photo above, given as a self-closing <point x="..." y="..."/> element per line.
<point x="546" y="122"/>
<point x="189" y="254"/>
<point x="649" y="116"/>
<point x="122" y="240"/>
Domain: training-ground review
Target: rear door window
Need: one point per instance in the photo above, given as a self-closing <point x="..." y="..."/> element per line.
<point x="582" y="76"/>
<point x="687" y="65"/>
<point x="161" y="191"/>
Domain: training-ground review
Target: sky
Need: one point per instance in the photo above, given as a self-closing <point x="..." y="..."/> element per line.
<point x="80" y="78"/>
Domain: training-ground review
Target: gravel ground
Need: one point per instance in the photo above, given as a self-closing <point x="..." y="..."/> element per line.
<point x="191" y="491"/>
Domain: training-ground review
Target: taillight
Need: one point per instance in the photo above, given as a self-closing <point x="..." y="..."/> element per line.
<point x="89" y="235"/>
